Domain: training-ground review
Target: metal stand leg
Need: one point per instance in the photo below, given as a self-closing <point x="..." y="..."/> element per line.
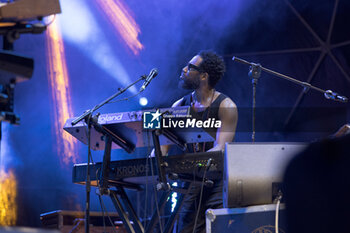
<point x="136" y="227"/>
<point x="105" y="166"/>
<point x="161" y="204"/>
<point x="163" y="183"/>
<point x="170" y="223"/>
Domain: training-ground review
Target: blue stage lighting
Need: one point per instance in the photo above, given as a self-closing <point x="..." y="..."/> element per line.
<point x="143" y="101"/>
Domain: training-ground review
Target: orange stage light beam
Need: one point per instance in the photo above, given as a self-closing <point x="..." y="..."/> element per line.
<point x="122" y="20"/>
<point x="60" y="91"/>
<point x="8" y="196"/>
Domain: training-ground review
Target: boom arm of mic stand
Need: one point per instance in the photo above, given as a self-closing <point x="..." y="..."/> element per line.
<point x="305" y="85"/>
<point x="87" y="113"/>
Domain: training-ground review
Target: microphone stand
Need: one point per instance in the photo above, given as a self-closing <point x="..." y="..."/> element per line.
<point x="255" y="71"/>
<point x="89" y="112"/>
<point x="86" y="116"/>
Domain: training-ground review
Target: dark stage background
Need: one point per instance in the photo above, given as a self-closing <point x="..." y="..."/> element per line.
<point x="286" y="36"/>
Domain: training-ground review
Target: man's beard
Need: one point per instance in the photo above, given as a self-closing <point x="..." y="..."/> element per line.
<point x="188" y="84"/>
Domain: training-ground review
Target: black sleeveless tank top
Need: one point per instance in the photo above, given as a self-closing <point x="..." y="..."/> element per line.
<point x="210" y="112"/>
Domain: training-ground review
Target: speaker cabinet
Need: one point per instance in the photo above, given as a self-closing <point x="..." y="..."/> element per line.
<point x="253" y="172"/>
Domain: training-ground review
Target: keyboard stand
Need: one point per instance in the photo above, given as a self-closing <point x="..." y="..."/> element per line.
<point x="119" y="197"/>
<point x="182" y="193"/>
<point x="129" y="217"/>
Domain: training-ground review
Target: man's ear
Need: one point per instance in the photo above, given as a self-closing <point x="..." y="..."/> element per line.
<point x="204" y="75"/>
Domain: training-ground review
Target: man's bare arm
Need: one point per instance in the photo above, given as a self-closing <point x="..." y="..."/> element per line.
<point x="228" y="115"/>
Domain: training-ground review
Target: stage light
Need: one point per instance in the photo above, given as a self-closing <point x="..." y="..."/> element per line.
<point x="173" y="198"/>
<point x="143" y="101"/>
<point x="8" y="196"/>
<point x="80" y="28"/>
<point x="124" y="23"/>
<point x="60" y="91"/>
<point x="8" y="182"/>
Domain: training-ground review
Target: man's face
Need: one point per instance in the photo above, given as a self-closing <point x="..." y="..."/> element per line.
<point x="190" y="75"/>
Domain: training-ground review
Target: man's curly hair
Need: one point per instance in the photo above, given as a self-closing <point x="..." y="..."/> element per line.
<point x="213" y="64"/>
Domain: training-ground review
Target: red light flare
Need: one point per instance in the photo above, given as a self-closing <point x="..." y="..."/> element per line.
<point x="60" y="91"/>
<point x="120" y="17"/>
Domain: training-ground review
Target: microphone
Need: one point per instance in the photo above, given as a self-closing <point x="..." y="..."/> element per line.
<point x="152" y="75"/>
<point x="335" y="96"/>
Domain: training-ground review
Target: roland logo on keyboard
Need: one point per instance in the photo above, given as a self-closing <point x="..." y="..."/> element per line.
<point x="108" y="118"/>
<point x="155" y="120"/>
